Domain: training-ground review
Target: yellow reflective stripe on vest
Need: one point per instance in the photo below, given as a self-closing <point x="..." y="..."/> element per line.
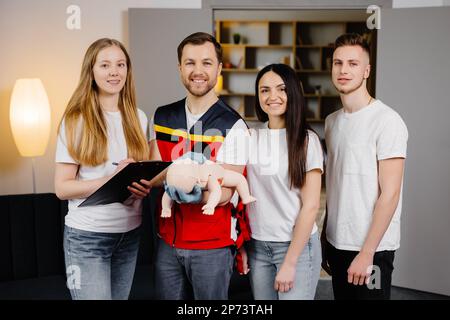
<point x="184" y="134"/>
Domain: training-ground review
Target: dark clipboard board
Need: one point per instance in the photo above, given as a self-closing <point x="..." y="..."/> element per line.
<point x="115" y="189"/>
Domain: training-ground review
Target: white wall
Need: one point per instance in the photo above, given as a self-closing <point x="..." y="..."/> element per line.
<point x="36" y="43"/>
<point x="419" y="3"/>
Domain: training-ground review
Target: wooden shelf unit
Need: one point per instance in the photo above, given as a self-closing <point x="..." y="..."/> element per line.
<point x="307" y="46"/>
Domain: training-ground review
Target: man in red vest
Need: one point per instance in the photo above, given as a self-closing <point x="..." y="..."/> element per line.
<point x="195" y="256"/>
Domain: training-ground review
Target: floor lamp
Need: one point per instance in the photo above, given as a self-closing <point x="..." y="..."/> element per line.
<point x="30" y="119"/>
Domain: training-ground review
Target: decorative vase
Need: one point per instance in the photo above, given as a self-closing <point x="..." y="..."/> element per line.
<point x="236" y="38"/>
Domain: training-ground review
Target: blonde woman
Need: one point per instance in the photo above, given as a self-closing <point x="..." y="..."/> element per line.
<point x="100" y="125"/>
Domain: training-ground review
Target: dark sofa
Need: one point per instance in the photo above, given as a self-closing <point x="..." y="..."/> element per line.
<point x="32" y="258"/>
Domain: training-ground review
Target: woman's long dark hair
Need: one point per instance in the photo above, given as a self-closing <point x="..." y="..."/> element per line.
<point x="296" y="126"/>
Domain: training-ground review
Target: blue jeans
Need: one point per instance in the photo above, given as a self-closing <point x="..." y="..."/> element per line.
<point x="265" y="259"/>
<point x="100" y="265"/>
<point x="192" y="274"/>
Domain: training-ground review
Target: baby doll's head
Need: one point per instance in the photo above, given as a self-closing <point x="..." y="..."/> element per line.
<point x="183" y="175"/>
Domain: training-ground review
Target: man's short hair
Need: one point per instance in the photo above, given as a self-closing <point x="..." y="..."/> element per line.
<point x="200" y="38"/>
<point x="352" y="39"/>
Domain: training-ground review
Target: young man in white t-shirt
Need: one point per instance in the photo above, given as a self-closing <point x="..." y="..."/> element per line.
<point x="366" y="144"/>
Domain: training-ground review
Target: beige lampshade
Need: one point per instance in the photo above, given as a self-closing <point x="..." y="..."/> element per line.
<point x="29" y="115"/>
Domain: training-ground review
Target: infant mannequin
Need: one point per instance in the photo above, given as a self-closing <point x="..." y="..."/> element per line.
<point x="186" y="174"/>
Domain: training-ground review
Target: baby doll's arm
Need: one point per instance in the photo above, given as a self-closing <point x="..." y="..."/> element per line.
<point x="227" y="193"/>
<point x="234" y="179"/>
<point x="166" y="204"/>
<point x="215" y="192"/>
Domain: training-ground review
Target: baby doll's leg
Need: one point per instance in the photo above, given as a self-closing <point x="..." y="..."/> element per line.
<point x="215" y="192"/>
<point x="234" y="179"/>
<point x="166" y="204"/>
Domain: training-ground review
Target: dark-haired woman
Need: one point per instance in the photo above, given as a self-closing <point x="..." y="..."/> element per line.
<point x="284" y="174"/>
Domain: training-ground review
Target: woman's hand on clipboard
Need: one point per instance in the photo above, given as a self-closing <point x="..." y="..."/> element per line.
<point x="122" y="164"/>
<point x="138" y="191"/>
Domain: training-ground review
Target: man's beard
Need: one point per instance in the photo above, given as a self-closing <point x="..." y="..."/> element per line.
<point x="209" y="86"/>
<point x="348" y="91"/>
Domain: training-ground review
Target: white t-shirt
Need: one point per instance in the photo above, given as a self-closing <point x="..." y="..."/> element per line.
<point x="355" y="143"/>
<point x="272" y="217"/>
<point x="113" y="217"/>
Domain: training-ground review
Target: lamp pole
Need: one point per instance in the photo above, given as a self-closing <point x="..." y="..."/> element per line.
<point x="33" y="173"/>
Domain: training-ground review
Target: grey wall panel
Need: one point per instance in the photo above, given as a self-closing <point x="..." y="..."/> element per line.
<point x="413" y="76"/>
<point x="296" y="4"/>
<point x="154" y="38"/>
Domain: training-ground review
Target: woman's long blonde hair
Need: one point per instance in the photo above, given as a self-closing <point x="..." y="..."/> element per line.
<point x="85" y="126"/>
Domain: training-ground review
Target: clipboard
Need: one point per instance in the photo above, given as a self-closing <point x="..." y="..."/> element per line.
<point x="115" y="189"/>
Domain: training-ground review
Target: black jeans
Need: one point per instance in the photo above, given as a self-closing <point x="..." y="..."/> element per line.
<point x="340" y="260"/>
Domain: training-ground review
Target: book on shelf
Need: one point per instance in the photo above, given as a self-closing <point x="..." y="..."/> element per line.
<point x="299" y="62"/>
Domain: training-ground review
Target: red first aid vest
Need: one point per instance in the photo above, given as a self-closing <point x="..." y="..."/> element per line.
<point x="188" y="227"/>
